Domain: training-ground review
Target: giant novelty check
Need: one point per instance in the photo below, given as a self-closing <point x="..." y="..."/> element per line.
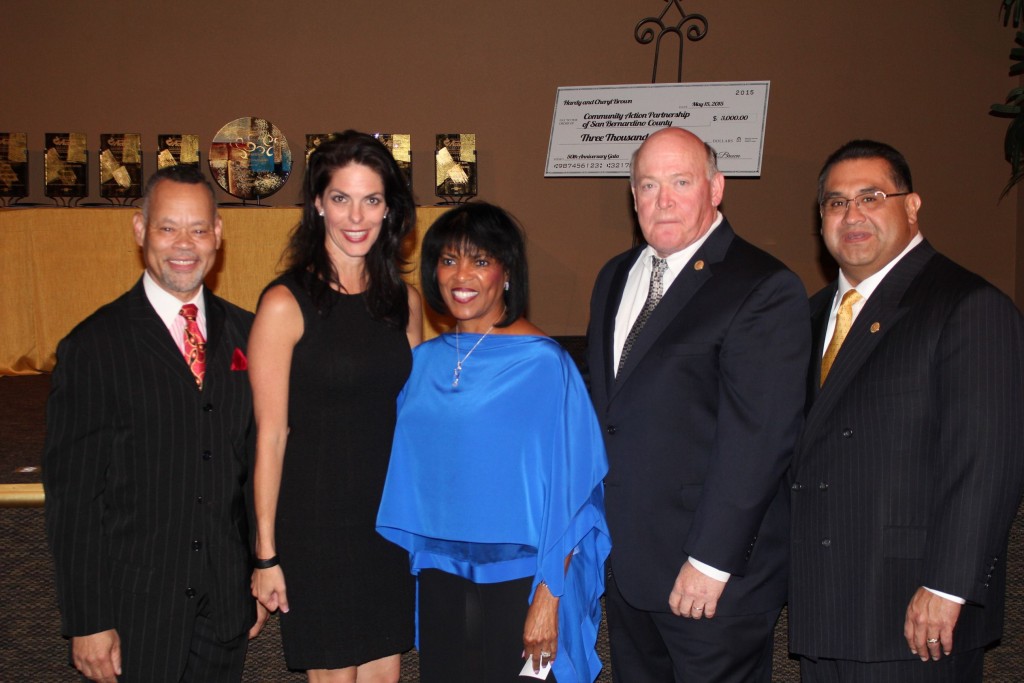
<point x="596" y="129"/>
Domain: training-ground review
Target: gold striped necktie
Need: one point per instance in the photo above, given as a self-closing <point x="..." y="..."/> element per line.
<point x="844" y="320"/>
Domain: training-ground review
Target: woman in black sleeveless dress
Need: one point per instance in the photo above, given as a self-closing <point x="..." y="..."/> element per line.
<point x="328" y="354"/>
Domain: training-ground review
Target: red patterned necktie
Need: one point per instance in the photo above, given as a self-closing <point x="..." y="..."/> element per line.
<point x="195" y="345"/>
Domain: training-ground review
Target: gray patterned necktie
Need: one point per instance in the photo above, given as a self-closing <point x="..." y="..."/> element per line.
<point x="653" y="297"/>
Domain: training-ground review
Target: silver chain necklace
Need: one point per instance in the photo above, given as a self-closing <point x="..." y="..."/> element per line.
<point x="458" y="352"/>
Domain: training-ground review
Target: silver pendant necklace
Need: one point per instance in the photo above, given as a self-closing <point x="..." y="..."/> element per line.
<point x="458" y="352"/>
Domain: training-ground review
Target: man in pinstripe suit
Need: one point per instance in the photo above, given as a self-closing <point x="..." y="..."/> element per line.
<point x="147" y="455"/>
<point x="909" y="470"/>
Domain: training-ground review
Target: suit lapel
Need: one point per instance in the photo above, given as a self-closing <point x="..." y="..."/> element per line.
<point x="678" y="296"/>
<point x="153" y="336"/>
<point x="215" y="318"/>
<point x="880" y="314"/>
<point x="611" y="309"/>
<point x="822" y="306"/>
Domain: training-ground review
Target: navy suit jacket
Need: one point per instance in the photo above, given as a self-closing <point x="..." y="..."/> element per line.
<point x="909" y="469"/>
<point x="144" y="477"/>
<point x="701" y="422"/>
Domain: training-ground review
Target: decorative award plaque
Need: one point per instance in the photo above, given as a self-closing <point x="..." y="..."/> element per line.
<point x="120" y="166"/>
<point x="250" y="158"/>
<point x="66" y="166"/>
<point x="455" y="165"/>
<point x="13" y="165"/>
<point x="177" y="149"/>
<point x="313" y="141"/>
<point x="400" y="146"/>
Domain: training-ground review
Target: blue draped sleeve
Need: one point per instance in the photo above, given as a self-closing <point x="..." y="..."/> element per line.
<point x="500" y="478"/>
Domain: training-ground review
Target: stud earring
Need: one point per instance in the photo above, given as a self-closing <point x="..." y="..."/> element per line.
<point x="321" y="214"/>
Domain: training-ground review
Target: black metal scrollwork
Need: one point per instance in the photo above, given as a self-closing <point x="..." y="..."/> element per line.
<point x="653" y="29"/>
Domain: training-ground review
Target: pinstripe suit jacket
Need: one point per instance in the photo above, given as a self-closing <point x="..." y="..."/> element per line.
<point x="144" y="478"/>
<point x="700" y="423"/>
<point x="909" y="469"/>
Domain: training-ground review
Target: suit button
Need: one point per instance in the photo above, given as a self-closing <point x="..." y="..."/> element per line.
<point x="208" y="407"/>
<point x="207" y="455"/>
<point x="611" y="429"/>
<point x="797" y="486"/>
<point x="196" y="545"/>
<point x="199" y="499"/>
<point x="847" y="433"/>
<point x="826" y="542"/>
<point x="823" y="486"/>
<point x="190" y="592"/>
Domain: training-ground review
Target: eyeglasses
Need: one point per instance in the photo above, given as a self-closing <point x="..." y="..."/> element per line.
<point x="866" y="201"/>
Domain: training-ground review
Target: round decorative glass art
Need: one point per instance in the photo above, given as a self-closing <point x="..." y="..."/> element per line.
<point x="250" y="158"/>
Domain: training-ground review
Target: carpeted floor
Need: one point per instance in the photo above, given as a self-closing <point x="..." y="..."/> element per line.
<point x="31" y="648"/>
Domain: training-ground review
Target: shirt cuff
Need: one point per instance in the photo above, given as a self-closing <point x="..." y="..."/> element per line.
<point x="708" y="570"/>
<point x="958" y="600"/>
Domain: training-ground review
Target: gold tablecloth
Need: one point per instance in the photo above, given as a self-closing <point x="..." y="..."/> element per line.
<point x="59" y="265"/>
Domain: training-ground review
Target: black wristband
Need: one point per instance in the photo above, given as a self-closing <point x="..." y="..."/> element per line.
<point x="267" y="563"/>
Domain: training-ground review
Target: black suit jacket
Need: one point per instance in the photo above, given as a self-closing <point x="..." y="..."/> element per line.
<point x="909" y="469"/>
<point x="700" y="423"/>
<point x="144" y="478"/>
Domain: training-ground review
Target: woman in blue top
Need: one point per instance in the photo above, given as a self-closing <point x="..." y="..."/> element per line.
<point x="495" y="481"/>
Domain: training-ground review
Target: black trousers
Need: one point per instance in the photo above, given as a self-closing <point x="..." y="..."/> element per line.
<point x="471" y="632"/>
<point x="658" y="647"/>
<point x="210" y="660"/>
<point x="960" y="667"/>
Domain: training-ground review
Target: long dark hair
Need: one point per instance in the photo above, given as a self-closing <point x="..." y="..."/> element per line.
<point x="306" y="256"/>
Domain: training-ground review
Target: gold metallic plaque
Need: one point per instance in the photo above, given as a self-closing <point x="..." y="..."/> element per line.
<point x="66" y="165"/>
<point x="400" y="146"/>
<point x="313" y="141"/>
<point x="13" y="164"/>
<point x="175" y="149"/>
<point x="455" y="165"/>
<point x="120" y="165"/>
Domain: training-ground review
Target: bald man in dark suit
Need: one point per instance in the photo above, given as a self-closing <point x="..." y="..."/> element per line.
<point x="701" y="403"/>
<point x="909" y="470"/>
<point x="149" y="427"/>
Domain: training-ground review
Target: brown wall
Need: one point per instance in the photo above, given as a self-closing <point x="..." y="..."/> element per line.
<point x="918" y="74"/>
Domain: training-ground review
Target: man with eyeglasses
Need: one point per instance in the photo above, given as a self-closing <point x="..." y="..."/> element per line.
<point x="910" y="467"/>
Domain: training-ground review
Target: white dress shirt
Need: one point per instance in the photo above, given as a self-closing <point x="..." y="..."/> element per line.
<point x="865" y="288"/>
<point x="168" y="307"/>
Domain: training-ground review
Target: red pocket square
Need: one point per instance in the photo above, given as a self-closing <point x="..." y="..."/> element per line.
<point x="238" y="361"/>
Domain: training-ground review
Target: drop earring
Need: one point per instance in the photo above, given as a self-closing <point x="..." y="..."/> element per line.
<point x="506" y="285"/>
